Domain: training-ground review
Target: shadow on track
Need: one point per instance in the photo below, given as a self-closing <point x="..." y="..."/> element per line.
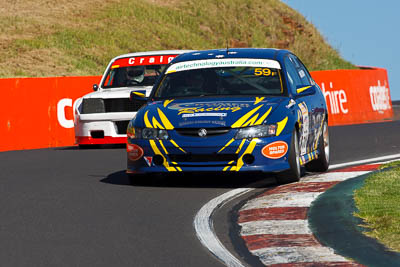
<point x="206" y="180"/>
<point x="92" y="147"/>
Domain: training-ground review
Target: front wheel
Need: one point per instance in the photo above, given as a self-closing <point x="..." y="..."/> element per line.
<point x="294" y="173"/>
<point x="321" y="164"/>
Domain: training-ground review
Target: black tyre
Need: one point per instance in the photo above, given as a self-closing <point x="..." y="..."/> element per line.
<point x="321" y="164"/>
<point x="294" y="173"/>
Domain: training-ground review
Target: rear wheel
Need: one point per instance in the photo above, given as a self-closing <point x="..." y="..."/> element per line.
<point x="294" y="173"/>
<point x="321" y="164"/>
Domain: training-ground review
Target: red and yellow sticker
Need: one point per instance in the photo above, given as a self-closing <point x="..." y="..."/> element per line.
<point x="275" y="150"/>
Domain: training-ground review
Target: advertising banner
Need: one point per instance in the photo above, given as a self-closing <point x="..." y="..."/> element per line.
<point x="37" y="112"/>
<point x="355" y="96"/>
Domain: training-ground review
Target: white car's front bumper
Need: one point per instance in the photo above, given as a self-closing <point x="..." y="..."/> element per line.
<point x="102" y="128"/>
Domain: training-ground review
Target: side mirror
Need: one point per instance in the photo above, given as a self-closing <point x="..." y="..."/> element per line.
<point x="139" y="95"/>
<point x="95" y="87"/>
<point x="302" y="90"/>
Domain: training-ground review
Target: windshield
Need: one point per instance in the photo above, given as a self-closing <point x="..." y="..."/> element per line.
<point x="133" y="76"/>
<point x="136" y="71"/>
<point x="221" y="81"/>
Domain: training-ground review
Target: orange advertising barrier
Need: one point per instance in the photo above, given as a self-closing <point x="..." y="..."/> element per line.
<point x="355" y="96"/>
<point x="37" y="112"/>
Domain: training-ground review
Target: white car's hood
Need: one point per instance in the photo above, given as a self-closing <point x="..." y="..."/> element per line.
<point x="122" y="92"/>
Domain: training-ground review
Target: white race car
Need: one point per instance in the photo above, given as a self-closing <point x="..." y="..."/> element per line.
<point x="101" y="117"/>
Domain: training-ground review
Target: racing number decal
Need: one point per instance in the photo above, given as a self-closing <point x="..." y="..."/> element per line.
<point x="263" y="72"/>
<point x="305" y="128"/>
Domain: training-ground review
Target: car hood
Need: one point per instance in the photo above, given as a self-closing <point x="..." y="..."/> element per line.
<point x="123" y="92"/>
<point x="207" y="112"/>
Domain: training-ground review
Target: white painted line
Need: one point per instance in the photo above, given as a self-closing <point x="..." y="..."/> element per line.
<point x="332" y="176"/>
<point x="365" y="161"/>
<point x="204" y="226"/>
<point x="205" y="230"/>
<point x="275" y="227"/>
<point x="277" y="255"/>
<point x="291" y="199"/>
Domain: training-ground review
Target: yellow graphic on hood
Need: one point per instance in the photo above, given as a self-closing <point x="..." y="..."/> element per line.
<point x="258" y="100"/>
<point x="162" y="123"/>
<point x="167" y="102"/>
<point x="165" y="121"/>
<point x="263" y="117"/>
<point x="156" y="124"/>
<point x="245" y="117"/>
<point x="251" y="121"/>
<point x="247" y="120"/>
<point x="192" y="110"/>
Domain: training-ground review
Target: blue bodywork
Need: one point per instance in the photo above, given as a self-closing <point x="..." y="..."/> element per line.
<point x="300" y="109"/>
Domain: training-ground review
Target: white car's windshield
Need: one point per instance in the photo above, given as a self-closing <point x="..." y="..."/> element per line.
<point x="221" y="81"/>
<point x="133" y="76"/>
<point x="136" y="70"/>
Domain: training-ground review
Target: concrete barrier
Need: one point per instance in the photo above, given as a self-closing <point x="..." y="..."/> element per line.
<point x="37" y="112"/>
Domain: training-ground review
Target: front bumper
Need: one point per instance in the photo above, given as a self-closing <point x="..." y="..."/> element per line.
<point x="208" y="155"/>
<point x="102" y="128"/>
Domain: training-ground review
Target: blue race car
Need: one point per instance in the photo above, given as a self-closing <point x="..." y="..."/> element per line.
<point x="231" y="110"/>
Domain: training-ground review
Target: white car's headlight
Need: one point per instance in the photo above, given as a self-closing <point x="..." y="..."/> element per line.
<point x="93" y="105"/>
<point x="147" y="133"/>
<point x="256" y="131"/>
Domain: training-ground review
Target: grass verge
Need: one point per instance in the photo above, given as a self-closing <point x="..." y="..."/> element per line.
<point x="378" y="205"/>
<point x="79" y="37"/>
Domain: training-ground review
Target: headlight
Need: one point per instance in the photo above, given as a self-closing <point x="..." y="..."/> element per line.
<point x="93" y="105"/>
<point x="256" y="131"/>
<point x="133" y="132"/>
<point x="147" y="133"/>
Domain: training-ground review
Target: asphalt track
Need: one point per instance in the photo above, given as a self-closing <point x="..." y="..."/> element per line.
<point x="71" y="207"/>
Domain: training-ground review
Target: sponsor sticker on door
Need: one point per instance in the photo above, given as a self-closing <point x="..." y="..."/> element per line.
<point x="275" y="150"/>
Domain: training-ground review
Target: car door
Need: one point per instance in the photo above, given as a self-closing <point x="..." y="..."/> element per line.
<point x="298" y="77"/>
<point x="315" y="101"/>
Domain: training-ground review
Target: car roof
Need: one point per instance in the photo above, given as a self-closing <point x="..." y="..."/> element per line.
<point x="264" y="53"/>
<point x="153" y="53"/>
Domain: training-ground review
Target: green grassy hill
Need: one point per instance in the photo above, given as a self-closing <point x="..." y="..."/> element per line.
<point x="40" y="38"/>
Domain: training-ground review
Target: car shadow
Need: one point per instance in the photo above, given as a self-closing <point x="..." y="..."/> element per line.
<point x="92" y="147"/>
<point x="198" y="180"/>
